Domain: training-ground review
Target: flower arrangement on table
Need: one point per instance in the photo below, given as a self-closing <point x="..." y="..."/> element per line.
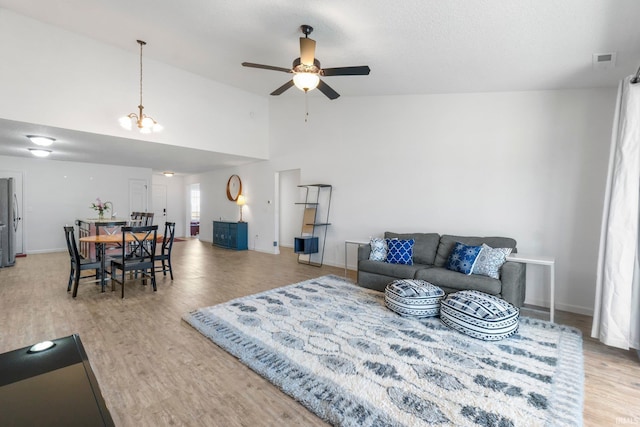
<point x="101" y="207"/>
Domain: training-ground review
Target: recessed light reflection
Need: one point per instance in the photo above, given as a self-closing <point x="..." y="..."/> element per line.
<point x="41" y="346"/>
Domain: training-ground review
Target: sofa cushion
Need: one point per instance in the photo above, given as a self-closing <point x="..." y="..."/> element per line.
<point x="458" y="281"/>
<point x="447" y="242"/>
<point x="400" y="251"/>
<point x="424" y="248"/>
<point x="378" y="249"/>
<point x="490" y="260"/>
<point x="479" y="315"/>
<point x="415" y="298"/>
<point x="398" y="271"/>
<point x="463" y="258"/>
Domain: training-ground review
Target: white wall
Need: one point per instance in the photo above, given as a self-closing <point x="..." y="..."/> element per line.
<point x="57" y="193"/>
<point x="529" y="165"/>
<point x="290" y="224"/>
<point x="57" y="78"/>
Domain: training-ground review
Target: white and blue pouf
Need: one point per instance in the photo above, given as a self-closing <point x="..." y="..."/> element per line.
<point x="479" y="315"/>
<point x="416" y="298"/>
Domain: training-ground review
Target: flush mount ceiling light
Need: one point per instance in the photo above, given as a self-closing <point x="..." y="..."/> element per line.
<point x="43" y="141"/>
<point x="39" y="152"/>
<point x="145" y="123"/>
<point x="168" y="174"/>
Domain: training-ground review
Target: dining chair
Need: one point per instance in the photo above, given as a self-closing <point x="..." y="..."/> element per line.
<point x="110" y="228"/>
<point x="136" y="219"/>
<point x="147" y="218"/>
<point x="165" y="252"/>
<point x="139" y="219"/>
<point x="141" y="259"/>
<point x="78" y="264"/>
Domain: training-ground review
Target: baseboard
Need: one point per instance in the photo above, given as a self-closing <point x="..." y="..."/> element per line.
<point x="563" y="307"/>
<point x="46" y="251"/>
<point x="575" y="309"/>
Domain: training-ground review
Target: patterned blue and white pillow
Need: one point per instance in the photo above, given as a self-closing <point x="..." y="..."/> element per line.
<point x="463" y="258"/>
<point x="411" y="297"/>
<point x="400" y="251"/>
<point x="490" y="260"/>
<point x="479" y="315"/>
<point x="378" y="249"/>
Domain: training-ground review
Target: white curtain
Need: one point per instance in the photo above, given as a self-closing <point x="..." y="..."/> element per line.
<point x="616" y="317"/>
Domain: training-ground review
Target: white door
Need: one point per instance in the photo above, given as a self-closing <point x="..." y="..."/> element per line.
<point x="18" y="211"/>
<point x="138" y="198"/>
<point x="159" y="204"/>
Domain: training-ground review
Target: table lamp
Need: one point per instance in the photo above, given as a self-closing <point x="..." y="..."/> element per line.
<point x="241" y="201"/>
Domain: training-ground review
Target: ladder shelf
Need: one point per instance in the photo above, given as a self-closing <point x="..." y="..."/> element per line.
<point x="315" y="220"/>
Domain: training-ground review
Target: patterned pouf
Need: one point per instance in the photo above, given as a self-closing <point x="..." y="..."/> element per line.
<point x="416" y="298"/>
<point x="479" y="315"/>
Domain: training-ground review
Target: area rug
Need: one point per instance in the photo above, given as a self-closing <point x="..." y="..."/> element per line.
<point x="337" y="349"/>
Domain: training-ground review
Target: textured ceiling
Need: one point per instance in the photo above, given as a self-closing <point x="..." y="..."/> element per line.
<point x="412" y="46"/>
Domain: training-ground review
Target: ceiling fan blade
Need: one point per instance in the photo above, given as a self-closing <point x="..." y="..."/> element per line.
<point x="282" y="88"/>
<point x="362" y="70"/>
<point x="327" y="90"/>
<point x="266" y="67"/>
<point x="307" y="50"/>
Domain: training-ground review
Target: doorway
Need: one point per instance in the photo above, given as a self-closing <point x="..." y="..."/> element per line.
<point x="159" y="203"/>
<point x="138" y="197"/>
<point x="194" y="209"/>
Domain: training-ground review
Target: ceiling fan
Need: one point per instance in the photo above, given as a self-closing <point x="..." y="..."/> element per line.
<point x="307" y="70"/>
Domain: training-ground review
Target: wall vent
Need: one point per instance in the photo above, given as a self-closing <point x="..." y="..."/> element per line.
<point x="604" y="61"/>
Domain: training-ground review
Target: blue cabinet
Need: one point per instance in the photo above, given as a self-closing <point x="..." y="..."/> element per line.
<point x="230" y="235"/>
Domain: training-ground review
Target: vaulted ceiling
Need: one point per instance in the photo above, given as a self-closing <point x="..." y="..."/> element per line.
<point x="412" y="46"/>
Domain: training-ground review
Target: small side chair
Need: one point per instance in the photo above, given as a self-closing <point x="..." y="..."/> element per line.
<point x="139" y="259"/>
<point x="165" y="253"/>
<point x="78" y="264"/>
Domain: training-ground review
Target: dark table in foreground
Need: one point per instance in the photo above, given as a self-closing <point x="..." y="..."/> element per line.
<point x="55" y="387"/>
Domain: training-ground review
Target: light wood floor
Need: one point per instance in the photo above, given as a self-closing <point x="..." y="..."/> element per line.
<point x="155" y="370"/>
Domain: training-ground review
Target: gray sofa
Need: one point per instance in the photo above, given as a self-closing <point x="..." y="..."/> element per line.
<point x="430" y="254"/>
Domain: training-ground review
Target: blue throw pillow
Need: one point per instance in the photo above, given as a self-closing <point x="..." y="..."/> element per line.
<point x="463" y="258"/>
<point x="400" y="251"/>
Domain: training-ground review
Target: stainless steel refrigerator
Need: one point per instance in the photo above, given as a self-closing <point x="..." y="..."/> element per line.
<point x="8" y="222"/>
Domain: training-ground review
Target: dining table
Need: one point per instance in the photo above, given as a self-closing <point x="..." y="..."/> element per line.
<point x="101" y="242"/>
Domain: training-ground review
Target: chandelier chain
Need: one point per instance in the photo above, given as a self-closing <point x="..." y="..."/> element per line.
<point x="142" y="43"/>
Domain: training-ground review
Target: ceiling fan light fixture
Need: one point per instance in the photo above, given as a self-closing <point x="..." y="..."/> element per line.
<point x="306" y="81"/>
<point x="43" y="141"/>
<point x="307" y="70"/>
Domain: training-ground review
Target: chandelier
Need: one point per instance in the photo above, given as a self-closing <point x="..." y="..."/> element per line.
<point x="145" y="123"/>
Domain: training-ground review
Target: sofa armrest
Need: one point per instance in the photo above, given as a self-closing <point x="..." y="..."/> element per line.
<point x="363" y="252"/>
<point x="513" y="276"/>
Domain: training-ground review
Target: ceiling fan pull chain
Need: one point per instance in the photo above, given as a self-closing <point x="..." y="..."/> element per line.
<point x="306" y="106"/>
